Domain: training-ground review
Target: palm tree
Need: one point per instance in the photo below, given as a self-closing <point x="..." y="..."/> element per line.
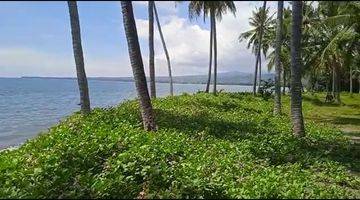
<point x="296" y="87"/>
<point x="214" y="9"/>
<point x="260" y="37"/>
<point x="332" y="34"/>
<point x="151" y="49"/>
<point x="79" y="58"/>
<point x="165" y="50"/>
<point x="147" y="114"/>
<point x="277" y="107"/>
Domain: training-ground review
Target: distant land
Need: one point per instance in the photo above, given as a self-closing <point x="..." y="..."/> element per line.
<point x="228" y="78"/>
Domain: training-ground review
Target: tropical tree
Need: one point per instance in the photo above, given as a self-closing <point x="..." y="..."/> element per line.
<point x="165" y="50"/>
<point x="79" y="58"/>
<point x="151" y="49"/>
<point x="333" y="44"/>
<point x="259" y="37"/>
<point x="214" y="9"/>
<point x="296" y="63"/>
<point x="147" y="113"/>
<point x="277" y="103"/>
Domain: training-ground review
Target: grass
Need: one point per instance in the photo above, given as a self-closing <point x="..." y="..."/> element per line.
<point x="345" y="116"/>
<point x="224" y="146"/>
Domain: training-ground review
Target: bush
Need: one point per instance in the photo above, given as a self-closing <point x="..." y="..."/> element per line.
<point x="224" y="146"/>
<point x="266" y="89"/>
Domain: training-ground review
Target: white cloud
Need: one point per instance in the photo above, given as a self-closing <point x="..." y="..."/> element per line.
<point x="188" y="43"/>
<point x="167" y="7"/>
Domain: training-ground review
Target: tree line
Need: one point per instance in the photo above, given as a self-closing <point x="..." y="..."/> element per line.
<point x="319" y="44"/>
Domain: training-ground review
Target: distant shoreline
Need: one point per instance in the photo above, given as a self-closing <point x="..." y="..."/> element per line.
<point x="126" y="79"/>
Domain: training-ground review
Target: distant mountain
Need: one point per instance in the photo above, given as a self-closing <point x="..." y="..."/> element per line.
<point x="227" y="78"/>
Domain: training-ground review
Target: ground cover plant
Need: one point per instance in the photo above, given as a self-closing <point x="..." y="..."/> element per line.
<point x="224" y="146"/>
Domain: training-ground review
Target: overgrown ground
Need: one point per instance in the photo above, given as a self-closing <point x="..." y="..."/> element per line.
<point x="345" y="116"/>
<point x="225" y="146"/>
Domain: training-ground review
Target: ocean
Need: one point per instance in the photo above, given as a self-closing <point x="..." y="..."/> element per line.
<point x="29" y="106"/>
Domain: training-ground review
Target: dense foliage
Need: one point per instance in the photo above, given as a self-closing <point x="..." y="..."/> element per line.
<point x="330" y="44"/>
<point x="228" y="145"/>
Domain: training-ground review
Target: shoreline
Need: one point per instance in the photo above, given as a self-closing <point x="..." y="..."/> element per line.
<point x="11" y="148"/>
<point x="124" y="80"/>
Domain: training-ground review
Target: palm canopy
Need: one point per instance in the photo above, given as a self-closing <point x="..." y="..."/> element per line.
<point x="198" y="8"/>
<point x="259" y="17"/>
<point x="334" y="38"/>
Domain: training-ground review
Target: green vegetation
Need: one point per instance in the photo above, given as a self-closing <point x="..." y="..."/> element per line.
<point x="229" y="145"/>
<point x="346" y="116"/>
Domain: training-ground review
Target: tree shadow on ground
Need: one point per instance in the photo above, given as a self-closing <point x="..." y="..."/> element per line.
<point x="346" y="120"/>
<point x="203" y="122"/>
<point x="316" y="101"/>
<point x="302" y="150"/>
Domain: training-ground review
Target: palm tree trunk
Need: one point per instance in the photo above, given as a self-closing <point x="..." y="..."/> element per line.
<point x="147" y="114"/>
<point x="259" y="71"/>
<point x="350" y="79"/>
<point x="165" y="50"/>
<point x="260" y="41"/>
<point x="284" y="81"/>
<point x="296" y="99"/>
<point x="359" y="82"/>
<point x="337" y="83"/>
<point x="151" y="49"/>
<point x="333" y="81"/>
<point x="210" y="56"/>
<point x="215" y="54"/>
<point x="79" y="58"/>
<point x="277" y="106"/>
<point x="255" y="74"/>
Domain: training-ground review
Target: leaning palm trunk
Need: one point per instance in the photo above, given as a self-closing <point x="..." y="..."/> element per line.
<point x="210" y="56"/>
<point x="215" y="52"/>
<point x="260" y="41"/>
<point x="137" y="66"/>
<point x="79" y="59"/>
<point x="165" y="50"/>
<point x="151" y="49"/>
<point x="277" y="103"/>
<point x="296" y="101"/>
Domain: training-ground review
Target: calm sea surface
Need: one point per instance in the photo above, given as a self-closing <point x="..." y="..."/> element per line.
<point x="28" y="106"/>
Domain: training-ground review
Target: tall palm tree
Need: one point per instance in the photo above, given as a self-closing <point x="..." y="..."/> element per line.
<point x="262" y="24"/>
<point x="277" y="106"/>
<point x="147" y="113"/>
<point x="330" y="34"/>
<point x="196" y="8"/>
<point x="260" y="40"/>
<point x="151" y="49"/>
<point x="79" y="58"/>
<point x="214" y="9"/>
<point x="296" y="87"/>
<point x="165" y="50"/>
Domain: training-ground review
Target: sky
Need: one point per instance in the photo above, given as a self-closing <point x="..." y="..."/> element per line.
<point x="36" y="39"/>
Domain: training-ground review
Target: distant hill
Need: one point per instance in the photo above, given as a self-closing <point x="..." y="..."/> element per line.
<point x="228" y="78"/>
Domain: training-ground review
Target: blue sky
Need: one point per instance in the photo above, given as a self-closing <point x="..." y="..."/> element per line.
<point x="36" y="40"/>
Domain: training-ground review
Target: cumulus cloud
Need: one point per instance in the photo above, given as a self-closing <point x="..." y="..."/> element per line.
<point x="188" y="43"/>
